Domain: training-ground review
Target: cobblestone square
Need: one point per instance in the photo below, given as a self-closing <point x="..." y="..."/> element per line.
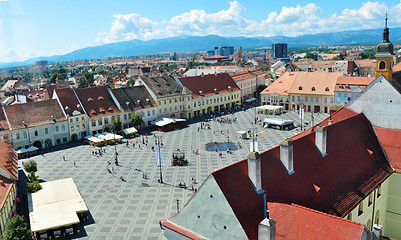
<point x="128" y="209"/>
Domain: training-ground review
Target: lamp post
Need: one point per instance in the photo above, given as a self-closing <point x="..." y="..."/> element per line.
<point x="159" y="159"/>
<point x="115" y="147"/>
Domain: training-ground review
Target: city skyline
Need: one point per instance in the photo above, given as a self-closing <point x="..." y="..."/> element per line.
<point x="34" y="29"/>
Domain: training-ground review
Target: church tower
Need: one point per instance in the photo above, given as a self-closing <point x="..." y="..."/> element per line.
<point x="384" y="55"/>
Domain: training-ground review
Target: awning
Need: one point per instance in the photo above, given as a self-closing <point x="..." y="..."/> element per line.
<point x="130" y="130"/>
<point x="161" y="122"/>
<point x="250" y="100"/>
<point x="30" y="149"/>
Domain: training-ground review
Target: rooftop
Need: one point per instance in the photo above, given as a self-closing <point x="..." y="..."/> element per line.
<point x="133" y="98"/>
<point x="69" y="101"/>
<point x="97" y="101"/>
<point x="317" y="83"/>
<point x="282" y="85"/>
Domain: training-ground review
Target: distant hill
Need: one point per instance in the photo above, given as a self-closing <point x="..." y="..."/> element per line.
<point x="204" y="43"/>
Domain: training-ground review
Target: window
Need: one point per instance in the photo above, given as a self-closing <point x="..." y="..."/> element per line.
<point x="72" y="127"/>
<point x="36" y="133"/>
<point x="189" y="99"/>
<point x="125" y="116"/>
<point x="360" y="209"/>
<point x="180" y="107"/>
<point x="317" y="99"/>
<point x="175" y="99"/>
<point x="171" y="109"/>
<point x="331" y="100"/>
<point x="379" y="191"/>
<point x="175" y="108"/>
<point x="306" y="99"/>
<point x="299" y="98"/>
<point x="71" y="120"/>
<point x="370" y="199"/>
<point x="160" y="102"/>
<point x="77" y="127"/>
<point x="160" y="111"/>
<point x="82" y="118"/>
<point x="207" y="101"/>
<point x="165" y="110"/>
<point x="106" y="121"/>
<point x="83" y="125"/>
<point x="148" y="113"/>
<point x="300" y="88"/>
<point x="46" y="131"/>
<point x="64" y="139"/>
<point x="57" y="129"/>
<point x="180" y="99"/>
<point x="350" y="216"/>
<point x="153" y="112"/>
<point x="63" y="127"/>
<point x="17" y="135"/>
<point x="313" y="89"/>
<point x="382" y="65"/>
<point x="203" y="102"/>
<point x="93" y="123"/>
<point x="194" y="104"/>
<point x="76" y="119"/>
<point x="170" y="100"/>
<point x="25" y="135"/>
<point x="165" y="101"/>
<point x="293" y="98"/>
<point x="311" y="99"/>
<point x="325" y="99"/>
<point x="100" y="122"/>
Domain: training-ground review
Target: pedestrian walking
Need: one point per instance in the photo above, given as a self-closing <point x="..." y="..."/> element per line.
<point x="112" y="169"/>
<point x="63" y="158"/>
<point x="75" y="164"/>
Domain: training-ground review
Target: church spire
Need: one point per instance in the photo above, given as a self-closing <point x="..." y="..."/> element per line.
<point x="386" y="32"/>
<point x="384" y="54"/>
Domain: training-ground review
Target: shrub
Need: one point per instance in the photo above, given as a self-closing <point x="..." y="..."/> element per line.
<point x="33" y="186"/>
<point x="16" y="228"/>
<point x="30" y="166"/>
<point x="32" y="177"/>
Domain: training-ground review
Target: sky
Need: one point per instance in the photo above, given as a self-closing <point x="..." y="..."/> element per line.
<point x="33" y="28"/>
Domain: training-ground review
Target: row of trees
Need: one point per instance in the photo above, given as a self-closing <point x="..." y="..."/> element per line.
<point x="135" y="119"/>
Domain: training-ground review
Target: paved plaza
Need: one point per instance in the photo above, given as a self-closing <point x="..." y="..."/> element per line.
<point x="128" y="210"/>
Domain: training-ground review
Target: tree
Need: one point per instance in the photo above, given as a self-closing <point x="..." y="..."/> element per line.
<point x="117" y="124"/>
<point x="311" y="55"/>
<point x="367" y="54"/>
<point x="30" y="166"/>
<point x="130" y="82"/>
<point x="33" y="187"/>
<point x="136" y="119"/>
<point x="16" y="228"/>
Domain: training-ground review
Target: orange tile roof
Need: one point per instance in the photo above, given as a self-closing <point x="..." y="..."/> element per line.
<point x="282" y="85"/>
<point x="242" y="76"/>
<point x="365" y="63"/>
<point x="361" y="82"/>
<point x="390" y="140"/>
<point x="5" y="187"/>
<point x="8" y="159"/>
<point x="397" y="67"/>
<point x="323" y="83"/>
<point x="296" y="222"/>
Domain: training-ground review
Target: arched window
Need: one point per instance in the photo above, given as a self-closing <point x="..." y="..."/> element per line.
<point x="377" y="217"/>
<point x="382" y="65"/>
<point x="360" y="209"/>
<point x="350" y="216"/>
<point x="369" y="224"/>
<point x="370" y="199"/>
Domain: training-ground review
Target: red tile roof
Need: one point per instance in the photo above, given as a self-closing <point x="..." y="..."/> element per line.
<point x="242" y="76"/>
<point x="97" y="101"/>
<point x="208" y="83"/>
<point x="34" y="113"/>
<point x="345" y="176"/>
<point x="296" y="222"/>
<point x="8" y="159"/>
<point x="5" y="187"/>
<point x="68" y="100"/>
<point x="390" y="140"/>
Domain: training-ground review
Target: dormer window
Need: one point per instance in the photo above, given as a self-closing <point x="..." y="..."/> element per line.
<point x="67" y="109"/>
<point x="79" y="107"/>
<point x="300" y="88"/>
<point x="201" y="93"/>
<point x="327" y="89"/>
<point x="215" y="90"/>
<point x="90" y="99"/>
<point x="313" y="89"/>
<point x="100" y="98"/>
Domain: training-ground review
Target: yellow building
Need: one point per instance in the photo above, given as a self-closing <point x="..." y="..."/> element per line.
<point x="385" y="55"/>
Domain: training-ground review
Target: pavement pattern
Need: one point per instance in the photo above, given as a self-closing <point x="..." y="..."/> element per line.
<point x="128" y="210"/>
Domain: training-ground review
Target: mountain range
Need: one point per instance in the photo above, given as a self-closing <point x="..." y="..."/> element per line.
<point x="204" y="43"/>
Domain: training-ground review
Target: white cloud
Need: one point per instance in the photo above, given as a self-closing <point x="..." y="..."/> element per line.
<point x="290" y="21"/>
<point x="14" y="55"/>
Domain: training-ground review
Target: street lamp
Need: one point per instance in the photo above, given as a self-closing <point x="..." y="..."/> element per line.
<point x="159" y="159"/>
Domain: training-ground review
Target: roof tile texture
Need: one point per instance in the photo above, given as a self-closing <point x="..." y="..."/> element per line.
<point x="97" y="101"/>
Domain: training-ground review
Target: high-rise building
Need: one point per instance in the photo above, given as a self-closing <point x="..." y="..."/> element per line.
<point x="279" y="50"/>
<point x="239" y="52"/>
<point x="223" y="51"/>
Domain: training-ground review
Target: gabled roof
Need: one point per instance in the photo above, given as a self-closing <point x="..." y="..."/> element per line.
<point x="163" y="86"/>
<point x="34" y="113"/>
<point x="97" y="101"/>
<point x="207" y="83"/>
<point x="296" y="222"/>
<point x="390" y="140"/>
<point x="3" y="121"/>
<point x="282" y="85"/>
<point x="69" y="101"/>
<point x="323" y="83"/>
<point x="345" y="176"/>
<point x="133" y="98"/>
<point x="347" y="83"/>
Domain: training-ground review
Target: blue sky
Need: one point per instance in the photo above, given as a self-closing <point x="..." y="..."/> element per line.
<point x="31" y="28"/>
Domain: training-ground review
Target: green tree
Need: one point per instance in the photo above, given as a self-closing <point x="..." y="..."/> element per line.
<point x="16" y="228"/>
<point x="368" y="54"/>
<point x="136" y="119"/>
<point x="311" y="55"/>
<point x="33" y="186"/>
<point x="32" y="177"/>
<point x="30" y="166"/>
<point x="130" y="82"/>
<point x="117" y="124"/>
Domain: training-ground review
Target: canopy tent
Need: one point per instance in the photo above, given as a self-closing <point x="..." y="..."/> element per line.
<point x="130" y="130"/>
<point x="163" y="124"/>
<point x="270" y="109"/>
<point x="250" y="100"/>
<point x="30" y="149"/>
<point x="55" y="205"/>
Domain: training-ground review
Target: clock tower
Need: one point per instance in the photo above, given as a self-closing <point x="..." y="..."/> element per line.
<point x="385" y="55"/>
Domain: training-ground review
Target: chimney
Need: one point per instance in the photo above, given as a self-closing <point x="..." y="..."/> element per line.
<point x="267" y="229"/>
<point x="377" y="231"/>
<point x="255" y="170"/>
<point x="321" y="139"/>
<point x="286" y="155"/>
